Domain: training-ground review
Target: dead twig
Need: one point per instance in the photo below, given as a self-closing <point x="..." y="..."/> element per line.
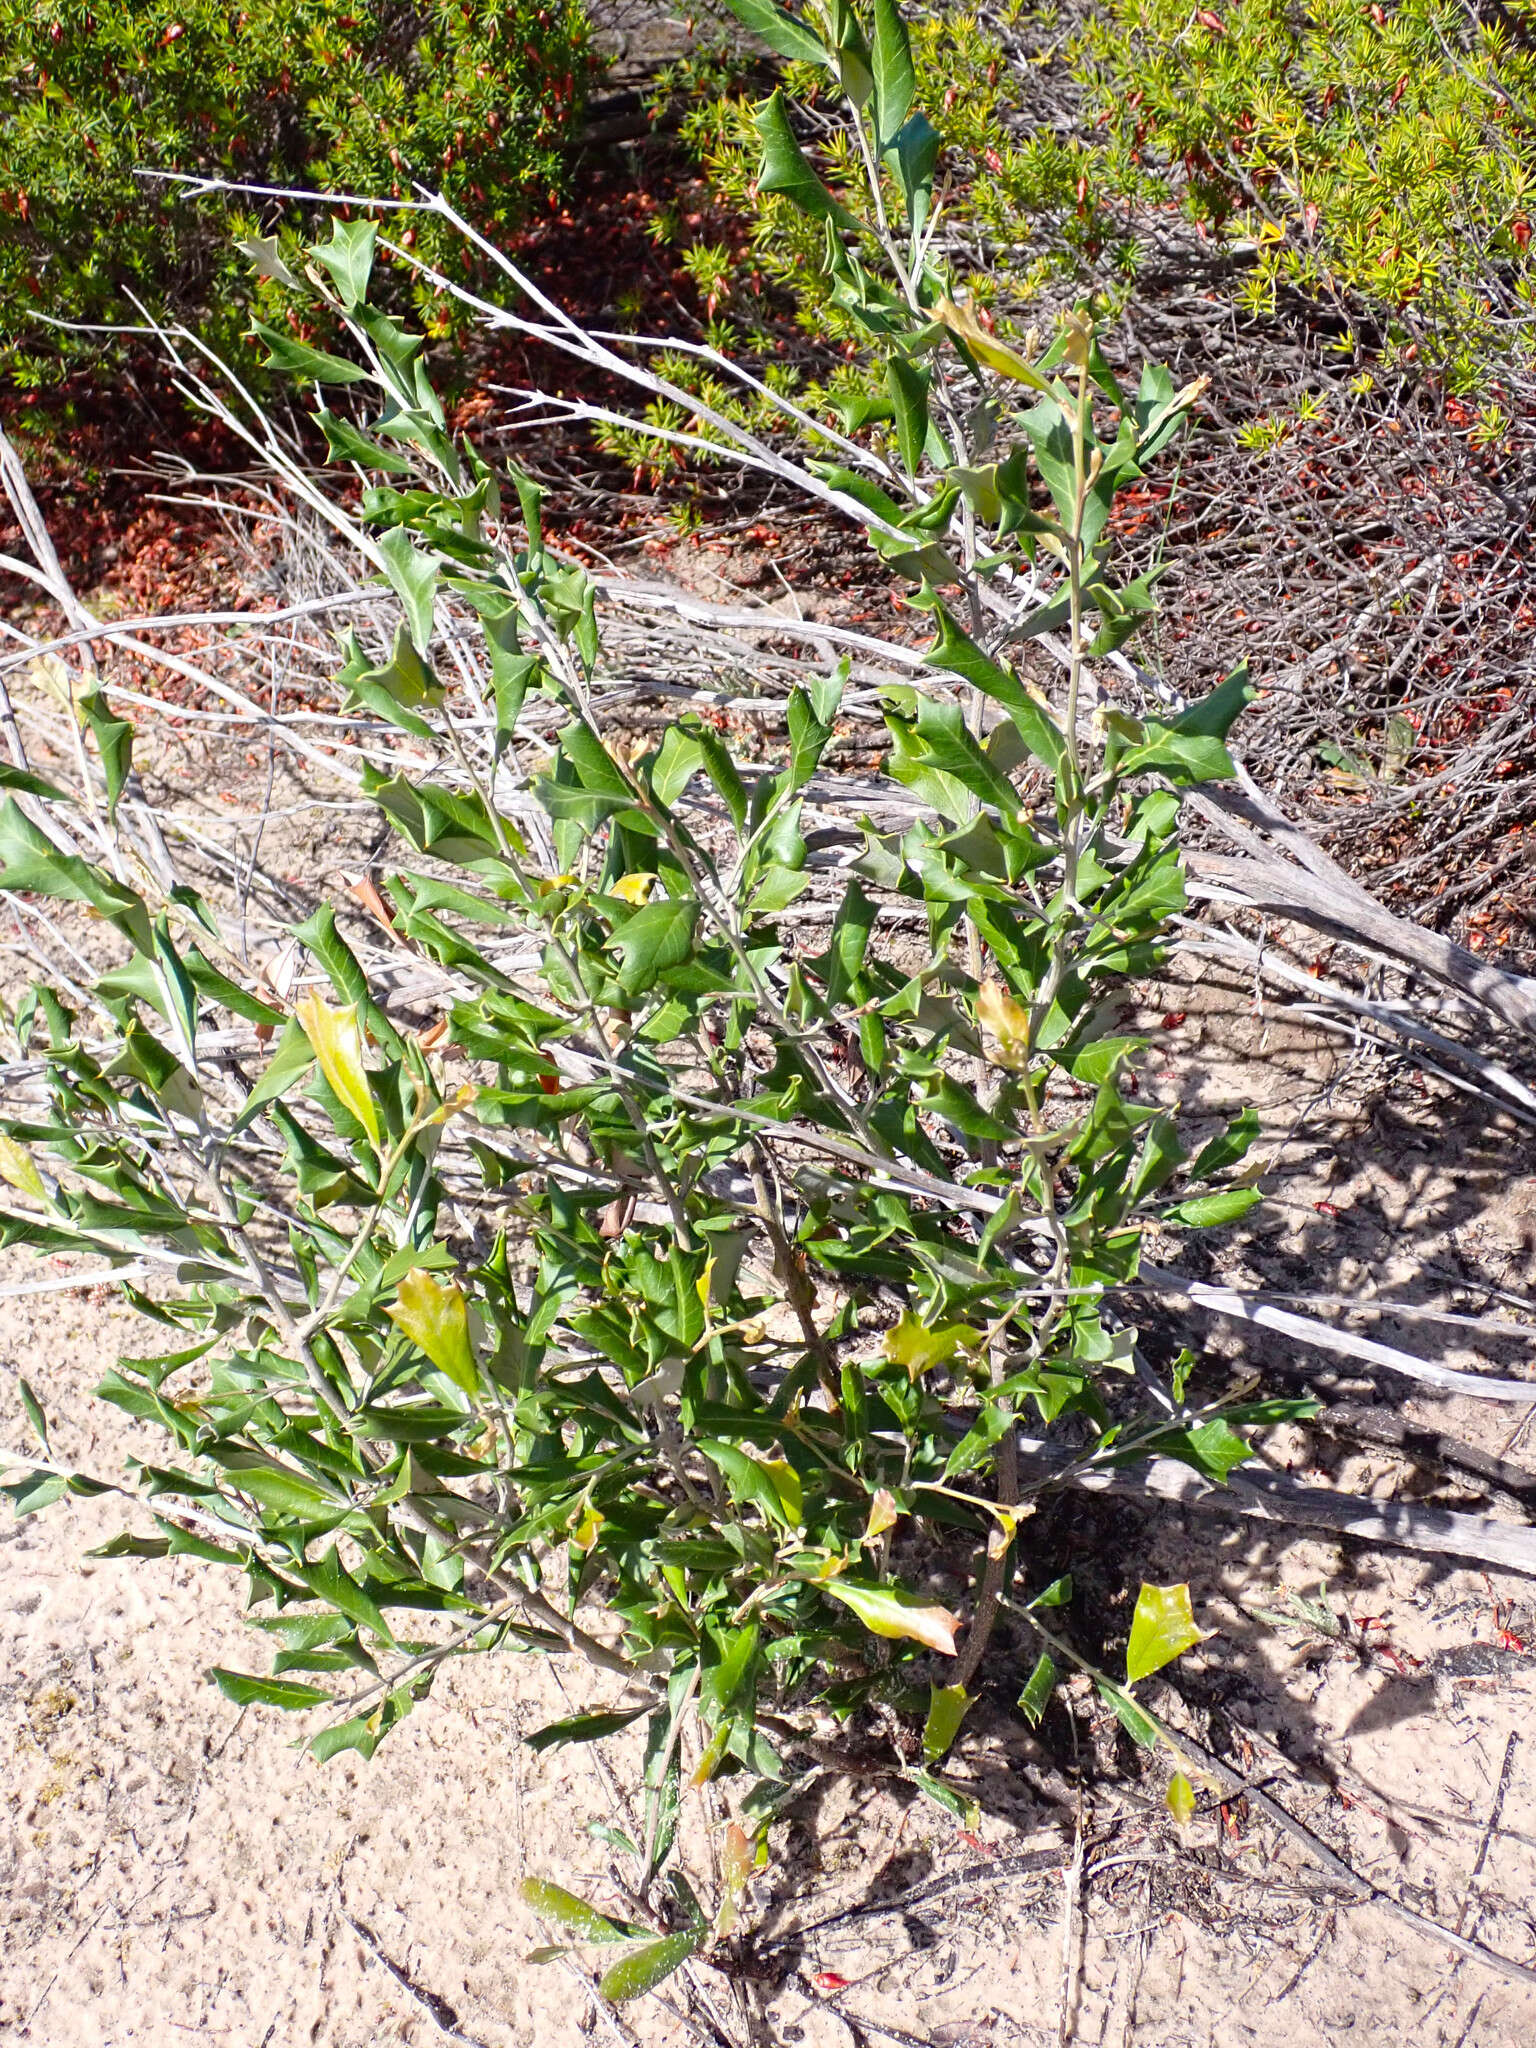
<point x="438" y="2010"/>
<point x="1462" y="1461"/>
<point x="1360" y="1889"/>
<point x="1495" y="1814"/>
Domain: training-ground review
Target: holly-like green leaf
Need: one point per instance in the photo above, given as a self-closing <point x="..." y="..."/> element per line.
<point x="286" y="1693"/>
<point x="769" y="1483"/>
<point x="895" y="79"/>
<point x="298" y="359"/>
<point x="1206" y="1212"/>
<point x="114" y="743"/>
<point x="1139" y="1726"/>
<point x="955" y="651"/>
<point x="722" y="1682"/>
<point x="288" y="1065"/>
<point x="1213" y="1448"/>
<point x="1038" y="1688"/>
<point x="348" y="256"/>
<point x="655" y="938"/>
<point x="394" y="689"/>
<point x="783" y="34"/>
<point x="1231" y="1146"/>
<point x="948" y="1798"/>
<point x="37" y="1491"/>
<point x="1162" y="1628"/>
<point x="345" y="444"/>
<point x="330" y="1581"/>
<point x="1181" y="756"/>
<point x="908" y="386"/>
<point x="413" y="576"/>
<point x="582" y="1728"/>
<point x="786" y="168"/>
<point x="1217" y="713"/>
<point x="915" y="154"/>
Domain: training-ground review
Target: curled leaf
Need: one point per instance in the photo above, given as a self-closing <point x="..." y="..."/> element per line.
<point x="634" y="888"/>
<point x="1007" y="1022"/>
<point x="735" y="1870"/>
<point x="1035" y="1697"/>
<point x="947" y="1707"/>
<point x="986" y="348"/>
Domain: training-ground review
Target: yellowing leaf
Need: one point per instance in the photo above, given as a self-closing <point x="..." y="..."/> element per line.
<point x="1181" y="1799"/>
<point x="1077" y="339"/>
<point x="633" y="888"/>
<point x="883" y="1514"/>
<point x="1162" y="1628"/>
<point x="433" y="1314"/>
<point x="1007" y="1022"/>
<point x="709" y="1762"/>
<point x="920" y="1349"/>
<point x="785" y="1481"/>
<point x="735" y="1869"/>
<point x="986" y="348"/>
<point x="337" y="1039"/>
<point x="588" y="1529"/>
<point x="58" y="679"/>
<point x="898" y="1615"/>
<point x="16" y="1167"/>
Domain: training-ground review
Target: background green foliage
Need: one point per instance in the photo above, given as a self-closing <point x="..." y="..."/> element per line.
<point x="346" y="95"/>
<point x="1387" y="152"/>
<point x="1381" y="156"/>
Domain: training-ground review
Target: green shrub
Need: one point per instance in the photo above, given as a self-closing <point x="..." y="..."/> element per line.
<point x="470" y="96"/>
<point x="668" y="1281"/>
<point x="1386" y="153"/>
<point x="1383" y="158"/>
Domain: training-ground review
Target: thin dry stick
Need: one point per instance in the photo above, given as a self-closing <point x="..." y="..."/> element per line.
<point x="437" y="2009"/>
<point x="1360" y="1888"/>
<point x="1071" y="1949"/>
<point x="1494" y="1815"/>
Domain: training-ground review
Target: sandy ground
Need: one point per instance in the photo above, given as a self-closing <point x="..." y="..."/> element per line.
<point x="171" y="1868"/>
